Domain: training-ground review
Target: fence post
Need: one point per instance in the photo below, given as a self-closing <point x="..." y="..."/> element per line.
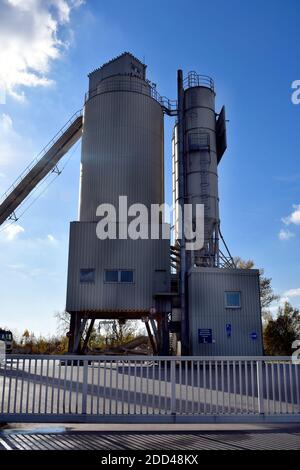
<point x="173" y="387"/>
<point x="260" y="387"/>
<point x="84" y="385"/>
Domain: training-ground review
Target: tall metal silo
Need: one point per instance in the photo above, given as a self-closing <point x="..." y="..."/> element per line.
<point x="215" y="299"/>
<point x="122" y="155"/>
<point x="122" y="143"/>
<point x="200" y="162"/>
<point x="199" y="141"/>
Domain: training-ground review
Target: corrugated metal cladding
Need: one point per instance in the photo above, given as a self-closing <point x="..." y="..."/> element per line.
<point x="207" y="287"/>
<point x="201" y="160"/>
<point x="125" y="63"/>
<point x="148" y="258"/>
<point x="122" y="151"/>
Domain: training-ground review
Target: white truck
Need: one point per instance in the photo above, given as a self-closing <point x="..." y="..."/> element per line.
<point x="7" y="337"/>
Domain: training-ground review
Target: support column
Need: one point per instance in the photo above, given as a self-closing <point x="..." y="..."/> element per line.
<point x="75" y="331"/>
<point x="182" y="193"/>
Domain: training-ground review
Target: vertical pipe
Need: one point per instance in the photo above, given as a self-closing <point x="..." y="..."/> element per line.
<point x="181" y="191"/>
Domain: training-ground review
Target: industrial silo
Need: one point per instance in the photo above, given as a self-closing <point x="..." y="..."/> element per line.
<point x="201" y="163"/>
<point x="219" y="306"/>
<point x="122" y="143"/>
<point x="122" y="155"/>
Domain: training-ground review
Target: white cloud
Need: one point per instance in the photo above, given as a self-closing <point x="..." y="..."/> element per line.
<point x="14" y="148"/>
<point x="12" y="231"/>
<point x="51" y="239"/>
<point x="294" y="217"/>
<point x="6" y="123"/>
<point x="27" y="271"/>
<point x="285" y="234"/>
<point x="292" y="293"/>
<point x="29" y="38"/>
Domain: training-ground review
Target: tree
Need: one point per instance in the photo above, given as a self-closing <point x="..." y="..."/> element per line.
<point x="118" y="331"/>
<point x="280" y="333"/>
<point x="115" y="332"/>
<point x="267" y="295"/>
<point x="25" y="336"/>
<point x="63" y="322"/>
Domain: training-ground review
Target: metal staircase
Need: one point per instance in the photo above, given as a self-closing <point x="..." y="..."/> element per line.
<point x="40" y="167"/>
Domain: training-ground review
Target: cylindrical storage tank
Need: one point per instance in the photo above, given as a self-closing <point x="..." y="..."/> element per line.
<point x="202" y="165"/>
<point x="122" y="146"/>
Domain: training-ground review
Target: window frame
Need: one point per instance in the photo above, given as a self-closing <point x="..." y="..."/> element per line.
<point x="113" y="271"/>
<point x="233" y="306"/>
<point x="126" y="271"/>
<point x="119" y="281"/>
<point x="89" y="281"/>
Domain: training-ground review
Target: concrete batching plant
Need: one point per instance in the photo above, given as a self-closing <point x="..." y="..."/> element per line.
<point x="193" y="302"/>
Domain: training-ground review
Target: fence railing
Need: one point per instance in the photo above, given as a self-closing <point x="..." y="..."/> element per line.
<point x="101" y="388"/>
<point x="133" y="84"/>
<point x="193" y="79"/>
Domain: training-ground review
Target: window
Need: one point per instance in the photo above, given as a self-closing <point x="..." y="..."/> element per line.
<point x="233" y="299"/>
<point x="87" y="275"/>
<point x="120" y="276"/>
<point x="126" y="276"/>
<point x="111" y="276"/>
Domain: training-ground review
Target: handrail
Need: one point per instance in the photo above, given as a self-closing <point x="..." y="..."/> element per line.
<point x="98" y="357"/>
<point x="194" y="79"/>
<point x="128" y="83"/>
<point x="41" y="154"/>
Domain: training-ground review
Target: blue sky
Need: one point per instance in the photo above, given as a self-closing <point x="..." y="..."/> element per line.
<point x="250" y="48"/>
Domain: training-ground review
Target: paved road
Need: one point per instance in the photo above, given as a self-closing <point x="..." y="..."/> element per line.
<point x="284" y="437"/>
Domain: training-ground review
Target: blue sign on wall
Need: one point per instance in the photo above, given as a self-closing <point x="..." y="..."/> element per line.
<point x="254" y="335"/>
<point x="228" y="329"/>
<point x="205" y="335"/>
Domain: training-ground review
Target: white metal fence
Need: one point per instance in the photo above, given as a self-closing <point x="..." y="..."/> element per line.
<point x="148" y="389"/>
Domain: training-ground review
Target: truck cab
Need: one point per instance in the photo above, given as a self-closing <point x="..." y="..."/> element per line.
<point x="7" y="337"/>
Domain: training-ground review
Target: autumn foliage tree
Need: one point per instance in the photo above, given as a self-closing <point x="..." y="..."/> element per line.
<point x="281" y="332"/>
<point x="267" y="294"/>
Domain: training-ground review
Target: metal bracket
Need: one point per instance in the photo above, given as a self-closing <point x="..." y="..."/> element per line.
<point x="56" y="170"/>
<point x="13" y="217"/>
